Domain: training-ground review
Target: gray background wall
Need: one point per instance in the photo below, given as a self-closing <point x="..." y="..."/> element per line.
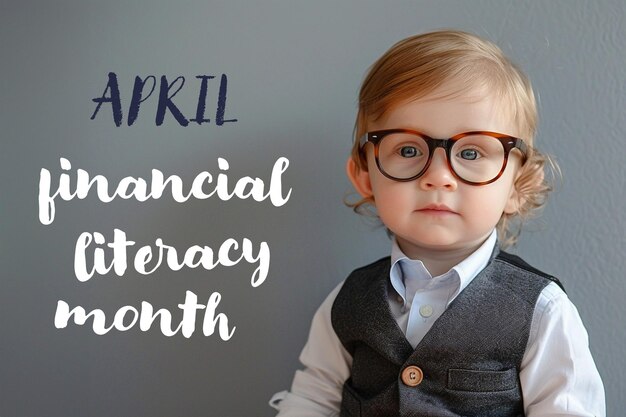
<point x="294" y="69"/>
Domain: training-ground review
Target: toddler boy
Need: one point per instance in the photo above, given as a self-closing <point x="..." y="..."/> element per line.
<point x="449" y="324"/>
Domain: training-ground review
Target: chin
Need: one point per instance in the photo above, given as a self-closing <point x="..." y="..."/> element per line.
<point x="432" y="242"/>
<point x="440" y="244"/>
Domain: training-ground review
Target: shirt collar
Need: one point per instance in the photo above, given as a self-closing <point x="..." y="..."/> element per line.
<point x="463" y="273"/>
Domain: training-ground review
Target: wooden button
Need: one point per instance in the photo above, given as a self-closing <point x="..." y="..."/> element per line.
<point x="412" y="376"/>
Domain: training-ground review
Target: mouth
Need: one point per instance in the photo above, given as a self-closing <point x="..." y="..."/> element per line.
<point x="438" y="209"/>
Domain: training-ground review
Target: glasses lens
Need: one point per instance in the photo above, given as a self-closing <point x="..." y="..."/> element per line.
<point x="402" y="155"/>
<point x="477" y="158"/>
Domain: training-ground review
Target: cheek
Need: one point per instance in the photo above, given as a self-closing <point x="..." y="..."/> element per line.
<point x="390" y="197"/>
<point x="489" y="203"/>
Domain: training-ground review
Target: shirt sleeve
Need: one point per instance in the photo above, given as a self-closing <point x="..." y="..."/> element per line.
<point x="316" y="390"/>
<point x="558" y="375"/>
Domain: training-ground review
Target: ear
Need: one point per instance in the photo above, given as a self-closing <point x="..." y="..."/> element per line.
<point x="517" y="198"/>
<point x="360" y="178"/>
<point x="514" y="201"/>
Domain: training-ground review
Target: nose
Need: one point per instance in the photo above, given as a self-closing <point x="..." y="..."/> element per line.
<point x="438" y="174"/>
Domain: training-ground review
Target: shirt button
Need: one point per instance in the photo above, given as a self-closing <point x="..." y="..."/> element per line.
<point x="412" y="376"/>
<point x="426" y="310"/>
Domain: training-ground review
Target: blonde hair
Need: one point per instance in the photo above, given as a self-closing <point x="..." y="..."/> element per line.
<point x="419" y="65"/>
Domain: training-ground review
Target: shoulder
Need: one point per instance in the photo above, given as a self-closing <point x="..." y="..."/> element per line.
<point x="364" y="270"/>
<point x="368" y="275"/>
<point x="552" y="304"/>
<point x="367" y="280"/>
<point x="517" y="265"/>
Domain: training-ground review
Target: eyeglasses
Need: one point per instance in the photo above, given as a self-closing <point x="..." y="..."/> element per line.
<point x="476" y="158"/>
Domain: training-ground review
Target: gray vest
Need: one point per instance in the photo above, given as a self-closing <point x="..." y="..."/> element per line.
<point x="469" y="359"/>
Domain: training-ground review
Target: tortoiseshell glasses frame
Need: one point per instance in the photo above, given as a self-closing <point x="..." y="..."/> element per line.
<point x="508" y="143"/>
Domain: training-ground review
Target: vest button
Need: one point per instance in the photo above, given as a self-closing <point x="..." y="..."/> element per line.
<point x="412" y="376"/>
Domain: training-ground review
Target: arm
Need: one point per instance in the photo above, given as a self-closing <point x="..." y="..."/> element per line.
<point x="316" y="390"/>
<point x="558" y="375"/>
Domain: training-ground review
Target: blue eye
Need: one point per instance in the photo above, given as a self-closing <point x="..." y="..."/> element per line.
<point x="408" y="152"/>
<point x="469" y="154"/>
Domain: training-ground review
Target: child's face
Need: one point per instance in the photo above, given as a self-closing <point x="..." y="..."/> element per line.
<point x="475" y="210"/>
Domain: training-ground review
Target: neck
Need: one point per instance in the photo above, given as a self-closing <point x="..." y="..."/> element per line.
<point x="438" y="261"/>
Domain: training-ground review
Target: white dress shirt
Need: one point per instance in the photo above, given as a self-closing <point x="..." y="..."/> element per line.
<point x="558" y="376"/>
